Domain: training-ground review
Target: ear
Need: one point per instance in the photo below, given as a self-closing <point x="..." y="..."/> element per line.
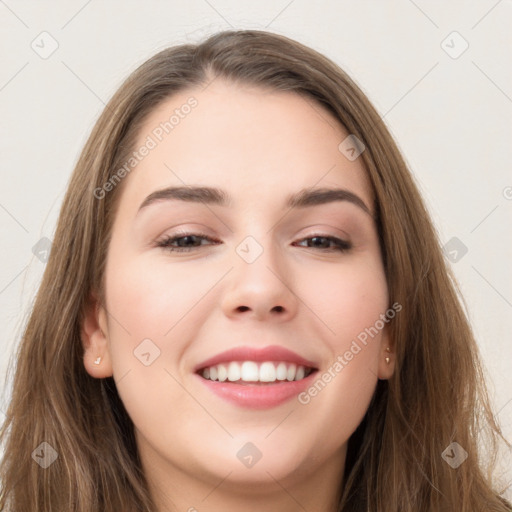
<point x="94" y="335"/>
<point x="386" y="351"/>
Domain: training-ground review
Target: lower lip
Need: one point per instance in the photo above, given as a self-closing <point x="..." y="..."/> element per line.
<point x="258" y="396"/>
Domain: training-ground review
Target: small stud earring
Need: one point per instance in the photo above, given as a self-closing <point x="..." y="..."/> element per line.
<point x="387" y="359"/>
<point x="97" y="361"/>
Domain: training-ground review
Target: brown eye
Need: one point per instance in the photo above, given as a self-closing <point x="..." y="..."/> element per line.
<point x="327" y="243"/>
<point x="183" y="242"/>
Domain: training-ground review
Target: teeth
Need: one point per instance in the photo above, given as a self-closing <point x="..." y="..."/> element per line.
<point x="281" y="371"/>
<point x="233" y="371"/>
<point x="267" y="372"/>
<point x="222" y="372"/>
<point x="249" y="371"/>
<point x="290" y="374"/>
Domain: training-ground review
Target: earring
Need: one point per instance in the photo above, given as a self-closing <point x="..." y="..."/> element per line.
<point x="387" y="359"/>
<point x="97" y="361"/>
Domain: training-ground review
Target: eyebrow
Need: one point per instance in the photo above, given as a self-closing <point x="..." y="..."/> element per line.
<point x="211" y="195"/>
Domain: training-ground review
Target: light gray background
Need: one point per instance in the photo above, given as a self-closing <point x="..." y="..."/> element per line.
<point x="451" y="115"/>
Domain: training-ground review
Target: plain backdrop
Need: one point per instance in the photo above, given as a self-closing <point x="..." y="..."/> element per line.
<point x="439" y="72"/>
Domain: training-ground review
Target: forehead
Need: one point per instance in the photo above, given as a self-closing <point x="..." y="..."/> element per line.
<point x="246" y="140"/>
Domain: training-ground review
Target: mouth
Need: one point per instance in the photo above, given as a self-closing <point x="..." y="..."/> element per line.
<point x="252" y="372"/>
<point x="256" y="378"/>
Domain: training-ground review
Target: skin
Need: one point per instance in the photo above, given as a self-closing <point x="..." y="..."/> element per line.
<point x="258" y="146"/>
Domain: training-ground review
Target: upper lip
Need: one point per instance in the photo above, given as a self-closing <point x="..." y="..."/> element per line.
<point x="270" y="353"/>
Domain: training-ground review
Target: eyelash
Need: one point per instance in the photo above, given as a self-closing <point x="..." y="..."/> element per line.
<point x="341" y="245"/>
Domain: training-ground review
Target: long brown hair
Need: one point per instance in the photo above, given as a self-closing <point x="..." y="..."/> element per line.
<point x="436" y="396"/>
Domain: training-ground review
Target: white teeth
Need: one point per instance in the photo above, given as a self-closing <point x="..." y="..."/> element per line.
<point x="249" y="371"/>
<point x="267" y="372"/>
<point x="281" y="371"/>
<point x="233" y="371"/>
<point x="290" y="375"/>
<point x="222" y="372"/>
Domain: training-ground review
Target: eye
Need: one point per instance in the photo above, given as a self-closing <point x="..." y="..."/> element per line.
<point x="183" y="242"/>
<point x="323" y="242"/>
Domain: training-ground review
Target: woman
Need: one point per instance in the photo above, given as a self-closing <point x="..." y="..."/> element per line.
<point x="246" y="307"/>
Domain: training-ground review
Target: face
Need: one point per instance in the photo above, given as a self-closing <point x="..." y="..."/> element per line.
<point x="269" y="285"/>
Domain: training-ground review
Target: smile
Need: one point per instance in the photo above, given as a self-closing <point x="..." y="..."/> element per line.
<point x="251" y="371"/>
<point x="256" y="378"/>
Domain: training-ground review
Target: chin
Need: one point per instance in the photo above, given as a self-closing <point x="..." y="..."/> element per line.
<point x="255" y="462"/>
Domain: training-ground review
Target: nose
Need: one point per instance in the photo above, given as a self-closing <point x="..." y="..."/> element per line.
<point x="260" y="290"/>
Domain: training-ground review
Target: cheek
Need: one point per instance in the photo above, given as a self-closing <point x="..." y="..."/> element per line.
<point x="151" y="299"/>
<point x="153" y="311"/>
<point x="349" y="303"/>
<point x="348" y="299"/>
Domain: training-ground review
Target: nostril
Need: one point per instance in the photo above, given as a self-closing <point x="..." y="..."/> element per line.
<point x="243" y="308"/>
